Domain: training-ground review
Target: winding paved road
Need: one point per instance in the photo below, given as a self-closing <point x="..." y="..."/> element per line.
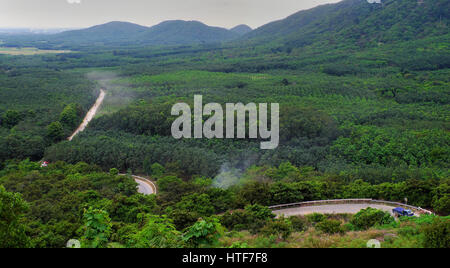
<point x="331" y="209"/>
<point x="145" y="186"/>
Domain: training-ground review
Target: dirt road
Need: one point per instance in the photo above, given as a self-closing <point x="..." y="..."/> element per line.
<point x="90" y="115"/>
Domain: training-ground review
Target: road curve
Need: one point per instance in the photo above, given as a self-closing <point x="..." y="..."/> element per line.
<point x="145" y="186"/>
<point x="90" y="115"/>
<point x="331" y="209"/>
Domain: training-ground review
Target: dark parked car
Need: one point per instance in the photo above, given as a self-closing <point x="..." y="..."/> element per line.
<point x="402" y="212"/>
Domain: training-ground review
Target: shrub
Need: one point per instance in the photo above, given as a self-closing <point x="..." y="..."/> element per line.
<point x="299" y="224"/>
<point x="330" y="226"/>
<point x="204" y="232"/>
<point x="437" y="234"/>
<point x="316" y="218"/>
<point x="442" y="205"/>
<point x="158" y="232"/>
<point x="370" y="217"/>
<point x="97" y="228"/>
<point x="114" y="172"/>
<point x="253" y="218"/>
<point x="282" y="228"/>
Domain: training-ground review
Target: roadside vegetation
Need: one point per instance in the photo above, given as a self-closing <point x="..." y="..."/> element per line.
<point x="47" y="206"/>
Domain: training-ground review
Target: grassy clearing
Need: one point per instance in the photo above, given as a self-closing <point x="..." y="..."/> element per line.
<point x="315" y="239"/>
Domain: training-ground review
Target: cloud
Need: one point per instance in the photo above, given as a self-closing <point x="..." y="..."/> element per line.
<point x="74" y="1"/>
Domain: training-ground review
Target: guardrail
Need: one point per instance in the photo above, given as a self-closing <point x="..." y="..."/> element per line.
<point x="149" y="182"/>
<point x="350" y="201"/>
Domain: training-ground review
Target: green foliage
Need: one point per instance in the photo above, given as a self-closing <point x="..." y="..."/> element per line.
<point x="11" y="118"/>
<point x="27" y="165"/>
<point x="55" y="132"/>
<point x="370" y="217"/>
<point x="71" y="116"/>
<point x="255" y="193"/>
<point x="203" y="182"/>
<point x="260" y="212"/>
<point x="316" y="218"/>
<point x="12" y="227"/>
<point x="97" y="228"/>
<point x="157" y="170"/>
<point x="437" y="234"/>
<point x="158" y="232"/>
<point x="164" y="184"/>
<point x="299" y="223"/>
<point x="59" y="194"/>
<point x="205" y="232"/>
<point x="114" y="172"/>
<point x="33" y="96"/>
<point x="441" y="199"/>
<point x="200" y="204"/>
<point x="442" y="205"/>
<point x="330" y="226"/>
<point x="282" y="228"/>
<point x="252" y="218"/>
<point x="299" y="122"/>
<point x="355" y="23"/>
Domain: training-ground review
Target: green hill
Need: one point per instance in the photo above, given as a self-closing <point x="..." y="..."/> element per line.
<point x="241" y="29"/>
<point x="124" y="33"/>
<point x="358" y="22"/>
<point x="180" y="32"/>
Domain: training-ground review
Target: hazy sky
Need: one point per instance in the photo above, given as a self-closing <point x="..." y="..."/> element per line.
<point x="85" y="13"/>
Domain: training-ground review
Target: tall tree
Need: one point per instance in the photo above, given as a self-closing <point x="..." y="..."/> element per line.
<point x="12" y="230"/>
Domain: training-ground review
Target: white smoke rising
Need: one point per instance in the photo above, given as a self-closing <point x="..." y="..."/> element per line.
<point x="232" y="174"/>
<point x="227" y="177"/>
<point x="119" y="95"/>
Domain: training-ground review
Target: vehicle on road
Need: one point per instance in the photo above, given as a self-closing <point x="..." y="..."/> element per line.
<point x="400" y="212"/>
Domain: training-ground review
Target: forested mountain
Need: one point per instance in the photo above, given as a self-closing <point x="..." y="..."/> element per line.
<point x="179" y="32"/>
<point x="241" y="29"/>
<point x="358" y="22"/>
<point x="115" y="31"/>
<point x="176" y="32"/>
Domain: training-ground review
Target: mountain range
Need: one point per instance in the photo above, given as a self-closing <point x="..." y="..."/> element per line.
<point x="176" y="32"/>
<point x="350" y="21"/>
